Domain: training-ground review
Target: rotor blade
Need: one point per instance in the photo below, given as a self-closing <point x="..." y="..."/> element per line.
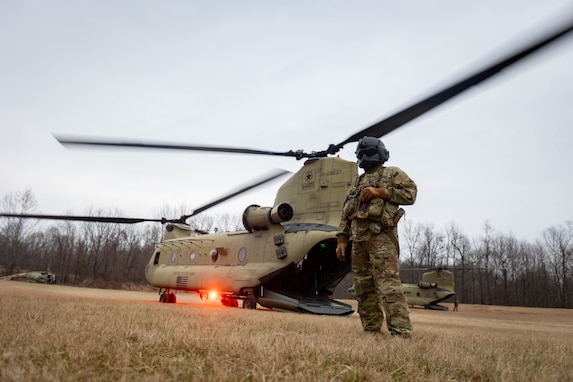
<point x="120" y="220"/>
<point x="99" y="219"/>
<point x="395" y="121"/>
<point x="69" y="141"/>
<point x="272" y="176"/>
<point x="377" y="130"/>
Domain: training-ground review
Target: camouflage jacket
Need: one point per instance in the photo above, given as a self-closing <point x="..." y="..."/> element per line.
<point x="359" y="219"/>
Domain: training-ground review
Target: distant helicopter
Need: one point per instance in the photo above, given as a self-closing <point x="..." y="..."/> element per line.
<point x="285" y="256"/>
<point x="33" y="277"/>
<point x="435" y="286"/>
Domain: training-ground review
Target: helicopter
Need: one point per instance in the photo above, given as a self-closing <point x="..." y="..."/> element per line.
<point x="284" y="258"/>
<point x="435" y="286"/>
<point x="43" y="277"/>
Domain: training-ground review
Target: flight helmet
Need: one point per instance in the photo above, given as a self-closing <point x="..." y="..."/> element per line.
<point x="371" y="152"/>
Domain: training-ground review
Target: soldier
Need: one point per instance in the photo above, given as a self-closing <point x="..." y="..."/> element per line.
<point x="370" y="216"/>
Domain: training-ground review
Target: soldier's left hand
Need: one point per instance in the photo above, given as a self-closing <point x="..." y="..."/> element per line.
<point x="373" y="192"/>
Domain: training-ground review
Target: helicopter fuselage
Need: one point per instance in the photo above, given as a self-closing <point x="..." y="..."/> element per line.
<point x="289" y="249"/>
<point x="435" y="287"/>
<point x="231" y="263"/>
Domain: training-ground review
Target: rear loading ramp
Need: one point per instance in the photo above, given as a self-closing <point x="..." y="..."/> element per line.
<point x="303" y="304"/>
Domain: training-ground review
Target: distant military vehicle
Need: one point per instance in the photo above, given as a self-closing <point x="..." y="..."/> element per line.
<point x="33" y="277"/>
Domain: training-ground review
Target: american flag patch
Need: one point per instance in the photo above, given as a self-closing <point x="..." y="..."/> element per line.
<point x="181" y="281"/>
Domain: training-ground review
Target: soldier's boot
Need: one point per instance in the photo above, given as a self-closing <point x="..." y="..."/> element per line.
<point x="402" y="334"/>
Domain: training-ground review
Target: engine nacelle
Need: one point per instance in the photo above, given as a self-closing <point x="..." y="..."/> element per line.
<point x="427" y="285"/>
<point x="257" y="218"/>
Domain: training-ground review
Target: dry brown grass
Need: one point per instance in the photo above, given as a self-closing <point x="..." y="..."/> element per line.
<point x="51" y="333"/>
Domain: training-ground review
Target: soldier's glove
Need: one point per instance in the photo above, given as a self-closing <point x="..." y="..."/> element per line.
<point x="341" y="247"/>
<point x="373" y="192"/>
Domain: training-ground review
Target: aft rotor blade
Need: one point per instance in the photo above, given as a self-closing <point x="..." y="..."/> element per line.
<point x="97" y="219"/>
<point x="70" y="141"/>
<point x="395" y="121"/>
<point x="120" y="220"/>
<point x="246" y="188"/>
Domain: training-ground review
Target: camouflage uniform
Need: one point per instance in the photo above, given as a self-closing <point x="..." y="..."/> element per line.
<point x="375" y="266"/>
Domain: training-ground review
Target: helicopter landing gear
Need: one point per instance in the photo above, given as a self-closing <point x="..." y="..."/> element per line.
<point x="229" y="301"/>
<point x="167" y="296"/>
<point x="250" y="302"/>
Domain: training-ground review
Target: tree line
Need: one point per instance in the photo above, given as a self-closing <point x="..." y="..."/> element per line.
<point x="496" y="268"/>
<point x="493" y="268"/>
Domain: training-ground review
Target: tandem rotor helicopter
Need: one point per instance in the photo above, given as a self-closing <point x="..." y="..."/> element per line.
<point x="43" y="277"/>
<point x="285" y="256"/>
<point x="434" y="287"/>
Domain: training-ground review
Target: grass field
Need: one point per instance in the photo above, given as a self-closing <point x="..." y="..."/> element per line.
<point x="57" y="333"/>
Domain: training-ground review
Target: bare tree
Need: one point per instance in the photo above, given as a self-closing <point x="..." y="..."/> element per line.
<point x="203" y="222"/>
<point x="503" y="255"/>
<point x="432" y="246"/>
<point x="411" y="237"/>
<point x="15" y="231"/>
<point x="102" y="242"/>
<point x="559" y="248"/>
<point x="228" y="222"/>
<point x="483" y="254"/>
<point x="460" y="246"/>
<point x="63" y="250"/>
<point x="134" y="252"/>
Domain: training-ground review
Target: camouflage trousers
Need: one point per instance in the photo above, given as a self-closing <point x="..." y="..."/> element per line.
<point x="376" y="273"/>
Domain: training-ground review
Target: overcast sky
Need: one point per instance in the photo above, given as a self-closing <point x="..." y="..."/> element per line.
<point x="285" y="75"/>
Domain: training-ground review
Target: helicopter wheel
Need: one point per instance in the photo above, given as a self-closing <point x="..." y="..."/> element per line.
<point x="169" y="298"/>
<point x="229" y="301"/>
<point x="250" y="302"/>
<point x="226" y="301"/>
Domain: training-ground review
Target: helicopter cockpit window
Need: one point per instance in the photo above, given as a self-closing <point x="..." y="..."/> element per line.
<point x="173" y="256"/>
<point x="192" y="256"/>
<point x="242" y="254"/>
<point x="156" y="260"/>
<point x="214" y="255"/>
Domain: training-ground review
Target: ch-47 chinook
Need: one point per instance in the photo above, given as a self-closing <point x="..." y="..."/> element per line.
<point x="285" y="257"/>
<point x="436" y="286"/>
<point x="43" y="277"/>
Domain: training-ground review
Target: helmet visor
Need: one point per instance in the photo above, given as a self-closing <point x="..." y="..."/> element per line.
<point x="368" y="152"/>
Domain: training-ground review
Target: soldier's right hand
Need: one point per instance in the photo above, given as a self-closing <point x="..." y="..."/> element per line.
<point x="341" y="248"/>
<point x="373" y="192"/>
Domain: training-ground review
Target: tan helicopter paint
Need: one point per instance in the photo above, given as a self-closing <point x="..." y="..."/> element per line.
<point x="235" y="262"/>
<point x="317" y="191"/>
<point x="434" y="287"/>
